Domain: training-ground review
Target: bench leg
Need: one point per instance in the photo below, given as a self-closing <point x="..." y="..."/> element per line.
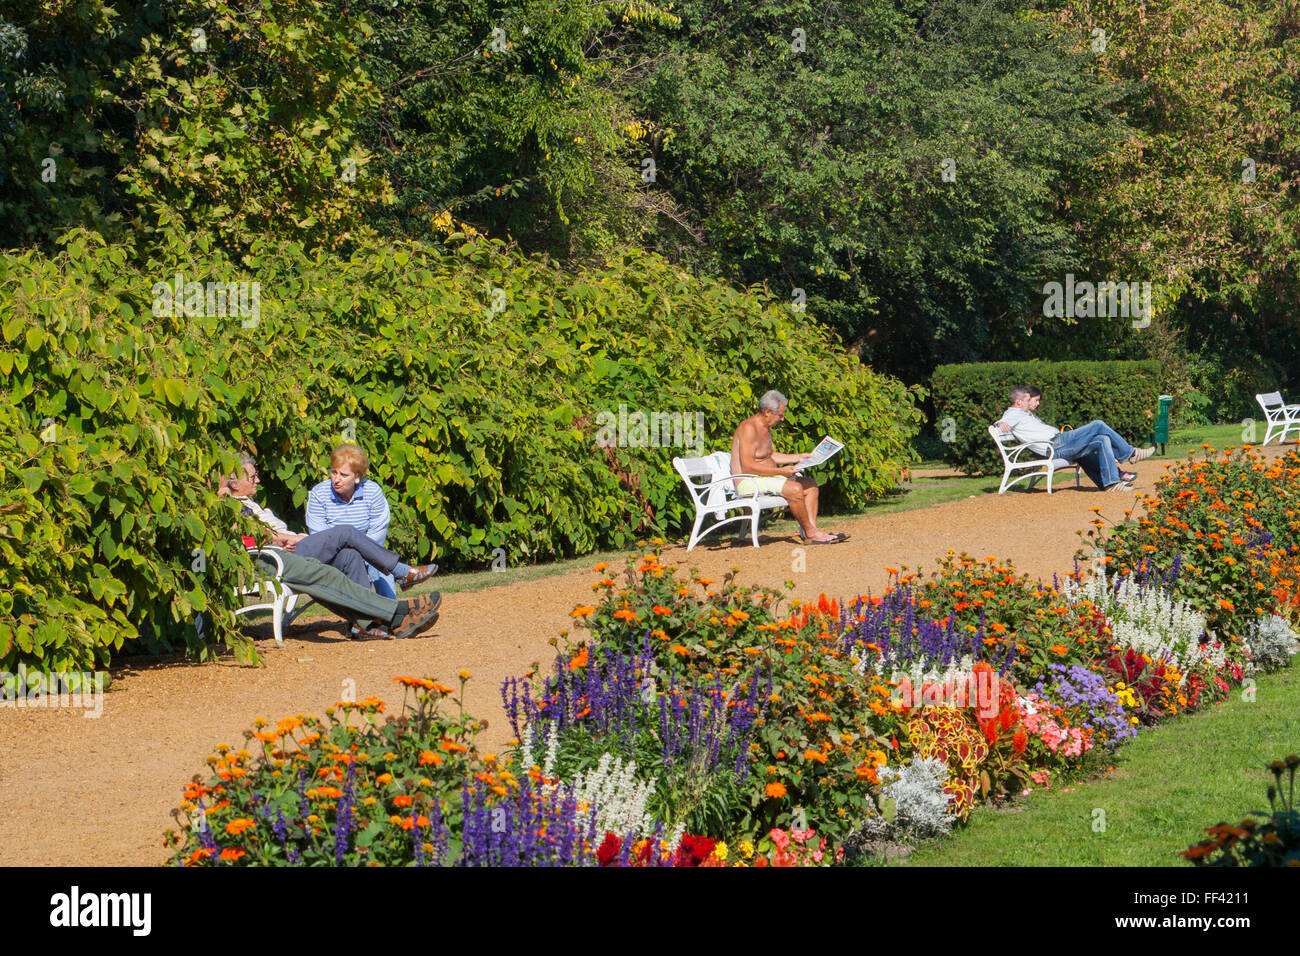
<point x="277" y="619"/>
<point x="695" y="531"/>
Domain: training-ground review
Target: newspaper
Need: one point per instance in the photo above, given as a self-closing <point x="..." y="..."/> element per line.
<point x="826" y="449"/>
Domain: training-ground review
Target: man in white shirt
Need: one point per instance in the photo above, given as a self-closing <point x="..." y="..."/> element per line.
<point x="1096" y="446"/>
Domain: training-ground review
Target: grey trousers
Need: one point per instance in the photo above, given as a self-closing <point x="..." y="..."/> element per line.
<point x="332" y="588"/>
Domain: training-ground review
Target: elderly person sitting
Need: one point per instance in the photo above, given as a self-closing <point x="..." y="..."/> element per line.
<point x="352" y="598"/>
<point x="752" y="453"/>
<point x="342" y="547"/>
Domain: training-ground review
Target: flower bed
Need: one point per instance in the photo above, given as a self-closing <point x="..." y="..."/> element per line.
<point x="785" y="733"/>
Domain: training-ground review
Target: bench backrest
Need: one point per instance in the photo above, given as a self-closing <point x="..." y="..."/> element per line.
<point x="1269" y="400"/>
<point x="1002" y="440"/>
<point x="698" y="472"/>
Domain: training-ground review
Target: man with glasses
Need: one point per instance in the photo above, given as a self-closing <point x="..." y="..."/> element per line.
<point x="313" y="564"/>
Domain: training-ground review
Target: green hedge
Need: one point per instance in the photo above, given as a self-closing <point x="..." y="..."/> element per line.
<point x="479" y="409"/>
<point x="969" y="398"/>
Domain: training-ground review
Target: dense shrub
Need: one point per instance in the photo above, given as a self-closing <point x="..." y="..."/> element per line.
<point x="974" y="396"/>
<point x="107" y="533"/>
<point x="474" y="377"/>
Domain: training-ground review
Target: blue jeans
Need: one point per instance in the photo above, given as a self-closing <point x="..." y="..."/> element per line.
<point x="346" y="548"/>
<point x="1097" y="448"/>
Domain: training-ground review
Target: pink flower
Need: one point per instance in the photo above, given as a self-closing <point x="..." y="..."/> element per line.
<point x="801" y="835"/>
<point x="1040" y="776"/>
<point x="780" y="838"/>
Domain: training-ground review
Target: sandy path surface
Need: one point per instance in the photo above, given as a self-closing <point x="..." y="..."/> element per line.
<point x="100" y="791"/>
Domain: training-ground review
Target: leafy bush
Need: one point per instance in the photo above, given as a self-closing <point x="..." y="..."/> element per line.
<point x="974" y="396"/>
<point x="108" y="533"/>
<point x="481" y="421"/>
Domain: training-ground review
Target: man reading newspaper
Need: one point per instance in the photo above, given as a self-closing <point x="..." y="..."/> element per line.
<point x="752" y="454"/>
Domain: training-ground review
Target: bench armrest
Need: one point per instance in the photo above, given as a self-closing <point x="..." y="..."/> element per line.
<point x="271" y="553"/>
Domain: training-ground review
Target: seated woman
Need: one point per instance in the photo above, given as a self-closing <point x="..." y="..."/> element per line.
<point x="350" y="498"/>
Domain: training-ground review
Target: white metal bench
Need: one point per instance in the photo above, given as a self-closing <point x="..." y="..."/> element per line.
<point x="1028" y="458"/>
<point x="712" y="488"/>
<point x="1281" y="417"/>
<point x="275" y="596"/>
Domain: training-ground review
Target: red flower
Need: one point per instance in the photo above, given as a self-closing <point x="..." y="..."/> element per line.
<point x="694" y="850"/>
<point x="607" y="855"/>
<point x="1019" y="739"/>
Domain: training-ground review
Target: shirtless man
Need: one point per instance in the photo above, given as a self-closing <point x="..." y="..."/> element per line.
<point x="752" y="454"/>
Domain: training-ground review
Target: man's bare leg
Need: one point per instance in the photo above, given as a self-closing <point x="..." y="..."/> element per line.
<point x="802" y="494"/>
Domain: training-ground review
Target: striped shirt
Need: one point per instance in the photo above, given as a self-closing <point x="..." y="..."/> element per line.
<point x="367" y="511"/>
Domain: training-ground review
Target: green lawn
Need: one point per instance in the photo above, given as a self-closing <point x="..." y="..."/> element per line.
<point x="1170" y="782"/>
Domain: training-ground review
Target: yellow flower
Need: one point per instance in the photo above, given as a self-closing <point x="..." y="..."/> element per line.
<point x="746" y="849"/>
<point x="463" y="675"/>
<point x="720" y="850"/>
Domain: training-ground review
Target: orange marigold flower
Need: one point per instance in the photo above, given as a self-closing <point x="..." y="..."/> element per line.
<point x="579" y="660"/>
<point x="239" y="825"/>
<point x="660" y="609"/>
<point x="1059" y="649"/>
<point x="1226" y="605"/>
<point x="627" y="614"/>
<point x="429" y="757"/>
<point x="402" y="800"/>
<point x="679" y="649"/>
<point x="582" y="610"/>
<point x="600" y="567"/>
<point x="775" y="790"/>
<point x="816" y="755"/>
<point x="231" y="853"/>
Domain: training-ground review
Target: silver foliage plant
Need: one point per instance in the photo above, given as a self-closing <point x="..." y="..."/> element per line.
<point x="920" y="804"/>
<point x="1272" y="642"/>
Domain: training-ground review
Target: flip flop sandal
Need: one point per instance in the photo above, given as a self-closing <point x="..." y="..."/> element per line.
<point x="836" y="538"/>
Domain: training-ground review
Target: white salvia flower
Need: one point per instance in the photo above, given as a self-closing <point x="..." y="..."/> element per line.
<point x="1147" y="618"/>
<point x="526" y="747"/>
<point x="552" y="751"/>
<point x="618" y="797"/>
